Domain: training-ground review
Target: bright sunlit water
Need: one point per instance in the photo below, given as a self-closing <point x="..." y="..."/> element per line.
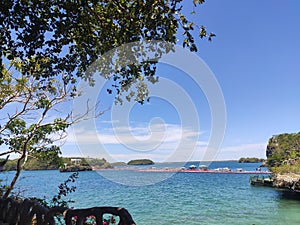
<point x="184" y="198"/>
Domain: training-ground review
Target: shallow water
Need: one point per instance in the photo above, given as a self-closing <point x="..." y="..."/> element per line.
<point x="165" y="198"/>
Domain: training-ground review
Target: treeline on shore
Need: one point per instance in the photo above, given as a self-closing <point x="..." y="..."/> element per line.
<point x="250" y="160"/>
<point x="58" y="162"/>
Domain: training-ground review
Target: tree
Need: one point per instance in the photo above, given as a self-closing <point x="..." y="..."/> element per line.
<point x="46" y="47"/>
<point x="29" y="128"/>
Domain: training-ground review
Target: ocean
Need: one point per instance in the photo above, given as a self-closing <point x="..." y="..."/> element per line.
<point x="158" y="198"/>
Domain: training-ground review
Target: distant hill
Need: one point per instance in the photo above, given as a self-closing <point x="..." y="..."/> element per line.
<point x="118" y="164"/>
<point x="140" y="162"/>
<point x="34" y="164"/>
<point x="50" y="164"/>
<point x="250" y="160"/>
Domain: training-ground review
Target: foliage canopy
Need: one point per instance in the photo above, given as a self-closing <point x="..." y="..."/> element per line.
<point x="65" y="37"/>
<point x="46" y="47"/>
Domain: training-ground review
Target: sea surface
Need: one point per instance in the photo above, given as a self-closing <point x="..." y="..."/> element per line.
<point x="158" y="198"/>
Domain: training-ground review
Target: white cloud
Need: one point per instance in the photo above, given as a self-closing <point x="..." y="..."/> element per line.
<point x="159" y="141"/>
<point x="133" y="134"/>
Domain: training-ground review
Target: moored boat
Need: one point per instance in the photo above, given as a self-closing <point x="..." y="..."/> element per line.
<point x="261" y="181"/>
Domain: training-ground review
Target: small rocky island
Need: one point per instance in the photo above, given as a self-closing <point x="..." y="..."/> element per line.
<point x="283" y="159"/>
<point x="137" y="162"/>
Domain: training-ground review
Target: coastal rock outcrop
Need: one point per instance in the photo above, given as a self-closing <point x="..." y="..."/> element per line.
<point x="283" y="159"/>
<point x="287" y="181"/>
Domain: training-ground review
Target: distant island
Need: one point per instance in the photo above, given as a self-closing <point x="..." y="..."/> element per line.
<point x="250" y="160"/>
<point x="140" y="162"/>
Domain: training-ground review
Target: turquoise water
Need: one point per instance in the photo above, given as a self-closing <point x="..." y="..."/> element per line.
<point x="183" y="198"/>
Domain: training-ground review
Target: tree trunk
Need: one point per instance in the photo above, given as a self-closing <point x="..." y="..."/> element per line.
<point x="17" y="174"/>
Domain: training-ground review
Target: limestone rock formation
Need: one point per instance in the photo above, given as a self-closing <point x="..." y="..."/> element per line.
<point x="287" y="181"/>
<point x="283" y="159"/>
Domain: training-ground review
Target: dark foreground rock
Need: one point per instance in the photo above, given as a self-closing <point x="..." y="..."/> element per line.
<point x="23" y="212"/>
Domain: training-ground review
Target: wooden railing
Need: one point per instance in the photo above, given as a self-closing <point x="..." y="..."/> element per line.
<point x="28" y="212"/>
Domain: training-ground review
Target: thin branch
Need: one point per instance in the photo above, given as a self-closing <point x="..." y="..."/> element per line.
<point x="17" y="114"/>
<point x="8" y="152"/>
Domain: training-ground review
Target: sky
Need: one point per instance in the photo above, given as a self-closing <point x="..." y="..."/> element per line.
<point x="252" y="69"/>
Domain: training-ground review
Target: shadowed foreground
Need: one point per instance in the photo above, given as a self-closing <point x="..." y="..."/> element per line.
<point x="27" y="212"/>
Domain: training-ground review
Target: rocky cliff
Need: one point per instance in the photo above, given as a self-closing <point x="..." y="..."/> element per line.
<point x="283" y="159"/>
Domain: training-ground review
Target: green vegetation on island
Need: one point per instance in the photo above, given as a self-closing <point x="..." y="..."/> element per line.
<point x="41" y="163"/>
<point x="283" y="159"/>
<point x="96" y="163"/>
<point x="140" y="162"/>
<point x="118" y="164"/>
<point x="283" y="153"/>
<point x="250" y="160"/>
<point x="73" y="164"/>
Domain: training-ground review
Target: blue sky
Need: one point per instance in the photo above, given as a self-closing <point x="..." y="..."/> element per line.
<point x="255" y="59"/>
